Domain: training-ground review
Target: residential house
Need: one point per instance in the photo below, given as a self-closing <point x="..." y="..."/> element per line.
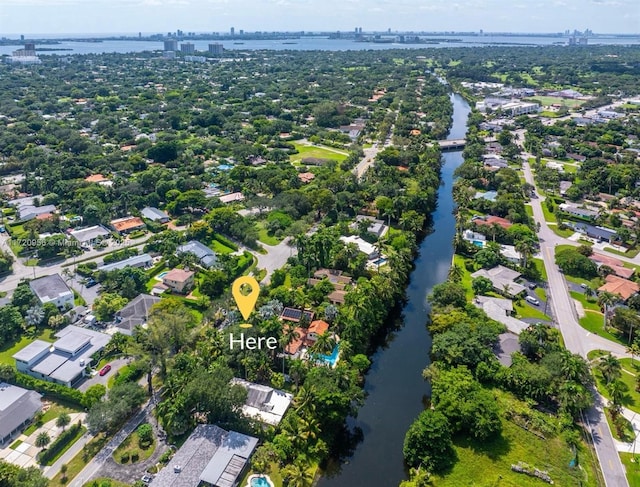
<point x="615" y="264"/>
<point x="264" y="403"/>
<point x="598" y="233"/>
<point x="231" y="198"/>
<point x="622" y="287"/>
<point x="306" y="337"/>
<point x="474" y="238"/>
<point x="211" y="456"/>
<point x="564" y="187"/>
<point x="376" y="227"/>
<point x="295" y="315"/>
<point x="179" y="280"/>
<point x="99" y="179"/>
<point x="205" y="255"/>
<point x="18" y="406"/>
<point x="338" y="281"/>
<point x="503" y="279"/>
<point x="306" y="177"/>
<point x="135" y="313"/>
<point x="143" y="261"/>
<point x="64" y="361"/>
<point x="90" y="235"/>
<point x="365" y="247"/>
<point x="52" y="289"/>
<point x="507" y="345"/>
<point x="29" y="212"/>
<point x="578" y="212"/>
<point x="492" y="220"/>
<point x="128" y="224"/>
<point x="155" y="215"/>
<point x="500" y="310"/>
<point x="486" y="195"/>
<point x="510" y="253"/>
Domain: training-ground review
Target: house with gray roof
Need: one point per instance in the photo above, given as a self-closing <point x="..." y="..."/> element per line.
<point x="90" y="235"/>
<point x="135" y="313"/>
<point x="155" y="215"/>
<point x="63" y="361"/>
<point x="52" y="289"/>
<point x="502" y="278"/>
<point x="205" y="255"/>
<point x="264" y="403"/>
<point x="144" y="261"/>
<point x="18" y="406"/>
<point x="211" y="456"/>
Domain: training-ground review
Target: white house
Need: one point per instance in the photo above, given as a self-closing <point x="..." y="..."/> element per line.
<point x="52" y="289"/>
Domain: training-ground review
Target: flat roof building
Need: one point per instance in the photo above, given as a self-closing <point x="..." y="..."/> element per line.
<point x="143" y="261"/>
<point x="211" y="456"/>
<point x="63" y="361"/>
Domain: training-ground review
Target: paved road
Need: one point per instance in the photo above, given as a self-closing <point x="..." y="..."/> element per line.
<point x="67" y="456"/>
<point x="578" y="341"/>
<point x="103" y="455"/>
<point x="275" y="258"/>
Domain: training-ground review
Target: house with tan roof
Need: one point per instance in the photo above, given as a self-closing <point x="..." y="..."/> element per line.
<point x="306" y="337"/>
<point x="620" y="286"/>
<point x="179" y="280"/>
<point x="128" y="224"/>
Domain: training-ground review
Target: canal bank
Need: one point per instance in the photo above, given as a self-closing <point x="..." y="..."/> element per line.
<point x="396" y="391"/>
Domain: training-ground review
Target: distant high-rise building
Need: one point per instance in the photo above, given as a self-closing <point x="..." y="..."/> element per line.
<point x="233" y="31"/>
<point x="188" y="48"/>
<point x="171" y="45"/>
<point x="216" y="49"/>
<point x="241" y="31"/>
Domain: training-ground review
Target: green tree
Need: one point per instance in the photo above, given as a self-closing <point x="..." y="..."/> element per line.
<point x="448" y="293"/>
<point x="42" y="440"/>
<point x="106" y="305"/>
<point x="428" y="442"/>
<point x="63" y="420"/>
<point x="481" y="285"/>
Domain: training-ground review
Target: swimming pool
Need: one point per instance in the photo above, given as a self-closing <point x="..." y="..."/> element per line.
<point x="332" y="359"/>
<point x="260" y="481"/>
<point x="478" y="243"/>
<point x="160" y="276"/>
<point x="225" y="167"/>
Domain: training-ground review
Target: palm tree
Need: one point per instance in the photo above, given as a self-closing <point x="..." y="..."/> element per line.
<point x="34" y="316"/>
<point x="610" y="368"/>
<point x="324" y="344"/>
<point x="63" y="420"/>
<point x="616" y="391"/>
<point x="606" y="299"/>
<point x="634" y="350"/>
<point x="297" y="475"/>
<point x="43" y="439"/>
<point x="526" y="248"/>
<point x="455" y="273"/>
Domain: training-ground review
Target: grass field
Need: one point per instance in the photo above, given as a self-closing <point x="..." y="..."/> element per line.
<point x="631" y="398"/>
<point x="553" y="100"/>
<point x="548" y="216"/>
<point x="540" y="266"/>
<point x="8" y="349"/>
<point x="631" y="253"/>
<point x="80" y="460"/>
<point x="526" y="311"/>
<point x="632" y="468"/>
<point x="220" y="248"/>
<point x="320" y="152"/>
<point x="105" y="482"/>
<point x="587" y="303"/>
<point x="264" y="237"/>
<point x="593" y="322"/>
<point x="466" y="276"/>
<point x="489" y="463"/>
<point x="131" y="447"/>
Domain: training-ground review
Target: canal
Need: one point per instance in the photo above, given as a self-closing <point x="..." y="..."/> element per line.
<point x="395" y="389"/>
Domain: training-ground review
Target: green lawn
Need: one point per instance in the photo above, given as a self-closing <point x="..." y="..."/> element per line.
<point x="540" y="266"/>
<point x="75" y="438"/>
<point x="490" y="462"/>
<point x="630" y="253"/>
<point x="631" y="398"/>
<point x="553" y="100"/>
<point x="130" y="447"/>
<point x="548" y="216"/>
<point x="529" y="210"/>
<point x="466" y="276"/>
<point x="318" y="151"/>
<point x="265" y="237"/>
<point x="526" y="311"/>
<point x="56" y="409"/>
<point x="632" y="468"/>
<point x="220" y="248"/>
<point x="627" y="434"/>
<point x="593" y="322"/>
<point x="105" y="482"/>
<point x="541" y="293"/>
<point x="9" y="349"/>
<point x="587" y="303"/>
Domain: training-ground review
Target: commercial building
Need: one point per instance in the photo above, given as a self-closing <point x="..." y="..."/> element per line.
<point x="64" y="361"/>
<point x="187" y="48"/>
<point x="52" y="289"/>
<point x="18" y="406"/>
<point x="216" y="49"/>
<point x="211" y="457"/>
<point x="171" y="45"/>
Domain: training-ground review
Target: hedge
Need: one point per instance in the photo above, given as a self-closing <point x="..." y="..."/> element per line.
<point x="119" y="255"/>
<point x="128" y="373"/>
<point x="45" y="456"/>
<point x="56" y="391"/>
<point x="225" y="241"/>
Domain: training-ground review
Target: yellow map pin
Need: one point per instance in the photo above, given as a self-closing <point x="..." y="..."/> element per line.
<point x="248" y="302"/>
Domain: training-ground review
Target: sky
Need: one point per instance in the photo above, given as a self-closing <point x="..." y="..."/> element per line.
<point x="162" y="16"/>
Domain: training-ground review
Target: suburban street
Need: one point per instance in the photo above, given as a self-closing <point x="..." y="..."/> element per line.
<point x="579" y="341"/>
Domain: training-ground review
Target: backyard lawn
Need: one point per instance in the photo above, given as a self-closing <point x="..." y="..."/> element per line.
<point x="9" y="349"/>
<point x="80" y="460"/>
<point x="265" y="237"/>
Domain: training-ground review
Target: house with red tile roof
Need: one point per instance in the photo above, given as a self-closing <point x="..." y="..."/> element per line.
<point x="622" y="287"/>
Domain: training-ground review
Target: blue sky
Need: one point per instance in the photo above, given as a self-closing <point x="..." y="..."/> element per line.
<point x="105" y="16"/>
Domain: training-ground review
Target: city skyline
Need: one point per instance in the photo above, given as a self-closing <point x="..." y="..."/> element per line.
<point x="162" y="16"/>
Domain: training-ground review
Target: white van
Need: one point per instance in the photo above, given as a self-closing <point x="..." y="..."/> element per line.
<point x="532" y="300"/>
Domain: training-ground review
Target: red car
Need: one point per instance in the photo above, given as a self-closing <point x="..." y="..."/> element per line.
<point x="105" y="370"/>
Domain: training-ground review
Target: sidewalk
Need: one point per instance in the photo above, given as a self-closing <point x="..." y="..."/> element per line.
<point x="76" y="448"/>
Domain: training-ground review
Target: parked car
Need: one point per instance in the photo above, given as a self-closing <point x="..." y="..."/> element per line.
<point x="91" y="282"/>
<point x="146" y="478"/>
<point x="105" y="370"/>
<point x="532" y="300"/>
<point x="532" y="285"/>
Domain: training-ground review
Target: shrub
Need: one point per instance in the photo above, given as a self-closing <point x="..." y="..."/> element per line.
<point x="59" y="444"/>
<point x="124" y="457"/>
<point x="56" y="391"/>
<point x="135" y="456"/>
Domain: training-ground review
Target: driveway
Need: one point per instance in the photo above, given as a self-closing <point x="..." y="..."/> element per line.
<point x="116" y="365"/>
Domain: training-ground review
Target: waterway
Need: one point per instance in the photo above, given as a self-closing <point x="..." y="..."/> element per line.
<point x="395" y="387"/>
<point x="69" y="46"/>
